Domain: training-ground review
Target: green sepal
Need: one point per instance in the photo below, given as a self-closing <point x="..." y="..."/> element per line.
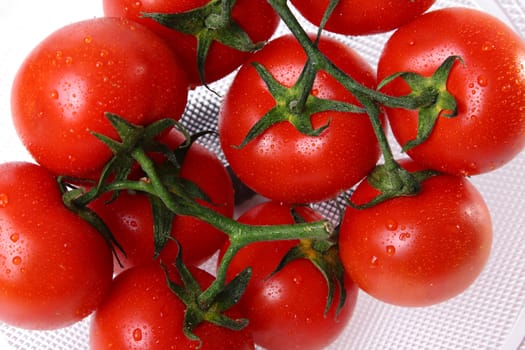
<point x="195" y="314"/>
<point x="393" y="182"/>
<point x="285" y="110"/>
<point x="424" y="89"/>
<point x="162" y="224"/>
<point x="209" y="23"/>
<point x="324" y="255"/>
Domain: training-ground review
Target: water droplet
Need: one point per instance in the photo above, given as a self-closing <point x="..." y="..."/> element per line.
<point x="391" y="225"/>
<point x="137" y="334"/>
<point x="54" y="95"/>
<point x="99" y="64"/>
<point x="14" y="237"/>
<point x="390" y="250"/>
<point x="297" y="279"/>
<point x="3" y="200"/>
<point x="487" y="46"/>
<point x="404" y="236"/>
<point x="58" y="54"/>
<point x="374" y="261"/>
<point x="17" y="260"/>
<point x="315" y="92"/>
<point x="88" y="39"/>
<point x="482" y="80"/>
<point x="69" y="60"/>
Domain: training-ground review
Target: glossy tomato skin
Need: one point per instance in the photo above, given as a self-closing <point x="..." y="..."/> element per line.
<point x="283" y="164"/>
<point x="489" y="129"/>
<point x="55" y="268"/>
<point x="355" y="17"/>
<point x="256" y="17"/>
<point x="419" y="250"/>
<point x="142" y="313"/>
<point x="286" y="311"/>
<point x="79" y="72"/>
<point x="130" y="219"/>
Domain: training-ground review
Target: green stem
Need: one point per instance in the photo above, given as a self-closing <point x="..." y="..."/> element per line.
<point x="239" y="234"/>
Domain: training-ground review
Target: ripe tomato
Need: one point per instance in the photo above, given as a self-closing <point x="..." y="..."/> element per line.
<point x="255" y="17"/>
<point x="354" y="17"/>
<point x="79" y="72"/>
<point x="130" y="219"/>
<point x="286" y="311"/>
<point x="141" y="312"/>
<point x="489" y="129"/>
<point x="55" y="268"/>
<point x="418" y="250"/>
<point x="283" y="164"/>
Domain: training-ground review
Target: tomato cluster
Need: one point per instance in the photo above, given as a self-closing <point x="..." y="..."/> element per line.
<point x="122" y="206"/>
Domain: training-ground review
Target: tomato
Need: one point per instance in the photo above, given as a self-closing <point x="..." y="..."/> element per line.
<point x="286" y="311"/>
<point x="418" y="250"/>
<point x="79" y="72"/>
<point x="282" y="163"/>
<point x="255" y="17"/>
<point x="130" y="219"/>
<point x="55" y="268"/>
<point x="489" y="129"/>
<point x="354" y="17"/>
<point x="141" y="312"/>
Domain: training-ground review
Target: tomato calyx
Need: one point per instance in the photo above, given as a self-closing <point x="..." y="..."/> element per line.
<point x="214" y="311"/>
<point x="392" y="180"/>
<point x="208" y="23"/>
<point x="324" y="255"/>
<point x="295" y="104"/>
<point x="430" y="98"/>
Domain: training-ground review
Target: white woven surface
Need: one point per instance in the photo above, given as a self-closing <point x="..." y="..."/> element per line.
<point x="489" y="315"/>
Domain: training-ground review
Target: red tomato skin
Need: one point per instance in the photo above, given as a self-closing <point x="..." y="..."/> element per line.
<point x="286" y="311"/>
<point x="489" y="129"/>
<point x="354" y="17"/>
<point x="55" y="268"/>
<point x="420" y="250"/>
<point x="282" y="164"/>
<point x="142" y="313"/>
<point x="83" y="70"/>
<point x="130" y="219"/>
<point x="256" y="17"/>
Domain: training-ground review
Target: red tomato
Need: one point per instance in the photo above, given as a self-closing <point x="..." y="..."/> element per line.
<point x="141" y="312"/>
<point x="283" y="164"/>
<point x="130" y="218"/>
<point x="256" y="17"/>
<point x="417" y="250"/>
<point x="55" y="268"/>
<point x="489" y="129"/>
<point x="286" y="311"/>
<point x="355" y="17"/>
<point x="79" y="72"/>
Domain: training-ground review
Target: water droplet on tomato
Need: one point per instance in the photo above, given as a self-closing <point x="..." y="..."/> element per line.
<point x="404" y="236"/>
<point x="390" y="250"/>
<point x="17" y="260"/>
<point x="14" y="237"/>
<point x="137" y="334"/>
<point x="69" y="60"/>
<point x="88" y="39"/>
<point x="482" y="80"/>
<point x="3" y="200"/>
<point x="54" y="95"/>
<point x="374" y="261"/>
<point x="391" y="225"/>
<point x="487" y="46"/>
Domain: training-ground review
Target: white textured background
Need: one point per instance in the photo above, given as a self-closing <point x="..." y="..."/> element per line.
<point x="490" y="315"/>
